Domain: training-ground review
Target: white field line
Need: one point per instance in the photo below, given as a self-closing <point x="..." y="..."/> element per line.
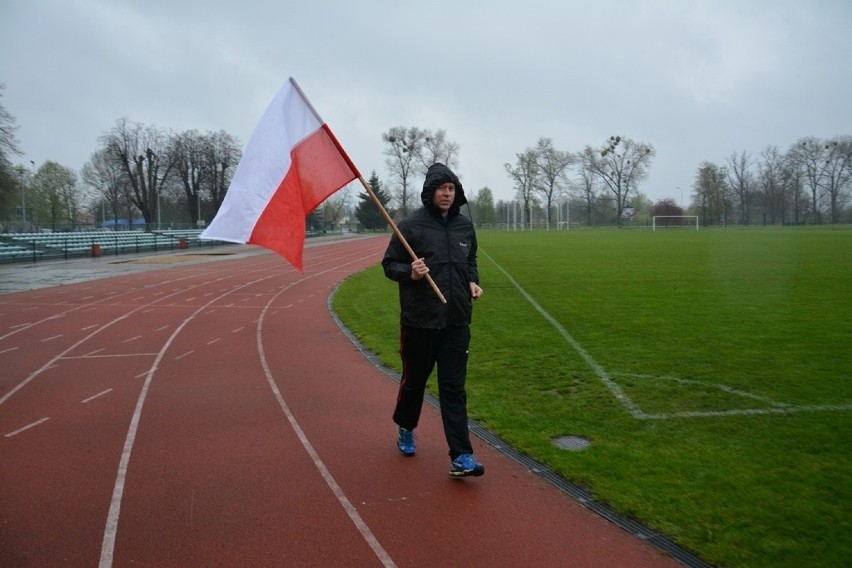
<point x="605" y="378"/>
<point x="633" y="408"/>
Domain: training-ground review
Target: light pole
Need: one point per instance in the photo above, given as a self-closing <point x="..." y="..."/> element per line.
<point x="23" y="195"/>
<point x="21" y="171"/>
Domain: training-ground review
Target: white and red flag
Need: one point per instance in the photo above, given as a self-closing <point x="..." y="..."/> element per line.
<point x="291" y="164"/>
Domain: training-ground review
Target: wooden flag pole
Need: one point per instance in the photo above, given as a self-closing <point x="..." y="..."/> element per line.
<point x="398" y="234"/>
<point x="369" y="189"/>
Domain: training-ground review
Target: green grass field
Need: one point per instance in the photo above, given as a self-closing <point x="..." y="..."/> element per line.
<point x="710" y="369"/>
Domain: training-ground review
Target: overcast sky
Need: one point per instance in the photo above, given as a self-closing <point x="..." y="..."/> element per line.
<point x="697" y="79"/>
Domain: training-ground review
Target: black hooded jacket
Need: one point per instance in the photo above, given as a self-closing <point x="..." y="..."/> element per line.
<point x="449" y="250"/>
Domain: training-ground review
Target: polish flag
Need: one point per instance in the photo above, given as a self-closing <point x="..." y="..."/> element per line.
<point x="291" y="164"/>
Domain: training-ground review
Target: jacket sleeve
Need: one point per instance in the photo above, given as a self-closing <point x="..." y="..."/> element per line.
<point x="396" y="263"/>
<point x="472" y="267"/>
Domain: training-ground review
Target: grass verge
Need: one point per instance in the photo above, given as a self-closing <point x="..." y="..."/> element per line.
<point x="731" y="350"/>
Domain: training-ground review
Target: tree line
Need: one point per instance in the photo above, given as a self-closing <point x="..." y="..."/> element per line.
<point x="808" y="183"/>
<point x="811" y="182"/>
<point x="596" y="179"/>
<point x="141" y="172"/>
<point x="137" y="173"/>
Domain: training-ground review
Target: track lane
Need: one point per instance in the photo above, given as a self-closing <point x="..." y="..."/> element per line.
<point x="219" y="477"/>
<point x="419" y="515"/>
<point x="235" y="427"/>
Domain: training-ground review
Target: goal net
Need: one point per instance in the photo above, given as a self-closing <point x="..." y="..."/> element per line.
<point x="675" y="222"/>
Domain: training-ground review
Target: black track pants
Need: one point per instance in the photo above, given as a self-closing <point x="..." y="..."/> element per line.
<point x="421" y="350"/>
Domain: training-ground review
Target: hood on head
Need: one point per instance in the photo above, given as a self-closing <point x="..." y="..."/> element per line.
<point x="437" y="175"/>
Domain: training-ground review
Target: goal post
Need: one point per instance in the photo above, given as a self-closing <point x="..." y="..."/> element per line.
<point x="675" y="222"/>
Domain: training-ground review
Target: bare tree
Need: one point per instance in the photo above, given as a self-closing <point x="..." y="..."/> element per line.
<point x="334" y="209"/>
<point x="525" y="175"/>
<point x="8" y="148"/>
<point x="741" y="181"/>
<point x="711" y="192"/>
<point x="553" y="171"/>
<point x="435" y="147"/>
<point x="814" y="157"/>
<point x="402" y="151"/>
<point x="588" y="193"/>
<point x="410" y="151"/>
<point x="621" y="164"/>
<point x="142" y="153"/>
<point x="838" y="175"/>
<point x="794" y="182"/>
<point x="771" y="182"/>
<point x="188" y="151"/>
<point x="223" y="155"/>
<point x="105" y="178"/>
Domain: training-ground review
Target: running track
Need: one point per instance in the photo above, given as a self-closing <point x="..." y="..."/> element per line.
<point x="213" y="414"/>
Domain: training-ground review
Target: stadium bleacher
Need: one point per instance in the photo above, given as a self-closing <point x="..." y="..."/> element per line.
<point x="19" y="246"/>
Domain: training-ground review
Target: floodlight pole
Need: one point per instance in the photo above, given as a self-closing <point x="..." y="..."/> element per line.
<point x="23" y="199"/>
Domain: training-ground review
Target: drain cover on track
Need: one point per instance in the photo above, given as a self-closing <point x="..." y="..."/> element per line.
<point x="573" y="443"/>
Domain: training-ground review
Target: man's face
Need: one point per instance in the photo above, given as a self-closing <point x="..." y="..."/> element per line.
<point x="444" y="196"/>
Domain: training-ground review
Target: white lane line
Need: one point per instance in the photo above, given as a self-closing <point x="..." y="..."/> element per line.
<point x="9" y="349"/>
<point x="111" y="528"/>
<point x="605" y="378"/>
<point x="90" y="353"/>
<point x="27" y="427"/>
<point x="181" y="356"/>
<point x="109" y="356"/>
<point x="50" y="364"/>
<point x="134" y="338"/>
<point x="52" y="337"/>
<point x="93" y="397"/>
<point x="212" y="341"/>
<point x="344" y="501"/>
<point x="236" y="330"/>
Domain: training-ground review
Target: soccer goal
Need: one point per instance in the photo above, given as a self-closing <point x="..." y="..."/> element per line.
<point x="675" y="222"/>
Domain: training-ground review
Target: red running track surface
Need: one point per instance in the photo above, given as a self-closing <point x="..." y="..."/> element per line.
<point x="213" y="414"/>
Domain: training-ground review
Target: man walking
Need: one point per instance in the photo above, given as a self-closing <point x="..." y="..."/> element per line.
<point x="433" y="333"/>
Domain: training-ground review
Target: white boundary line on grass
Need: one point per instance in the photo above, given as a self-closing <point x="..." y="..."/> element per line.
<point x="625" y="401"/>
<point x="634" y="410"/>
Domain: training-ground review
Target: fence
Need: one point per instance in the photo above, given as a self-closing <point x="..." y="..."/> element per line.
<point x="33" y="247"/>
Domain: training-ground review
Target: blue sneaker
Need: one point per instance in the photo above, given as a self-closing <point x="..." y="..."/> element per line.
<point x="405" y="441"/>
<point x="466" y="464"/>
